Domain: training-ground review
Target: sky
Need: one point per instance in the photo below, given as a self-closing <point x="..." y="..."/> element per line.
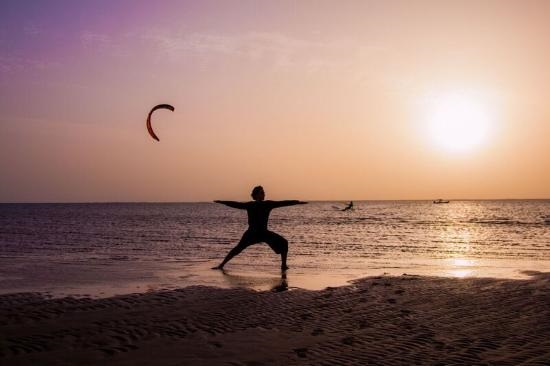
<point x="314" y="100"/>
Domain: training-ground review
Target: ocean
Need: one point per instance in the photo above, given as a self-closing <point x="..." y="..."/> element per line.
<point x="104" y="249"/>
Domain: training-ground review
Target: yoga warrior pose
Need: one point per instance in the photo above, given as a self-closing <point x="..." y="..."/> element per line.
<point x="258" y="215"/>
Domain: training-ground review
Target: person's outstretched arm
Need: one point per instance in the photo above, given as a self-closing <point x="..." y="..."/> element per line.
<point x="234" y="204"/>
<point x="276" y="204"/>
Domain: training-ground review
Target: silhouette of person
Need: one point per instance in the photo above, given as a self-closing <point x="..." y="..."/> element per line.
<point x="349" y="206"/>
<point x="258" y="214"/>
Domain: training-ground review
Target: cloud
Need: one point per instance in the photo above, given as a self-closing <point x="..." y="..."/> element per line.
<point x="5" y="65"/>
<point x="276" y="49"/>
<point x="93" y="40"/>
<point x="32" y="29"/>
<point x="12" y="64"/>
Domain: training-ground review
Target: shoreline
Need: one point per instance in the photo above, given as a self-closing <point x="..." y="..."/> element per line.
<point x="108" y="279"/>
<point x="397" y="320"/>
<point x="346" y="199"/>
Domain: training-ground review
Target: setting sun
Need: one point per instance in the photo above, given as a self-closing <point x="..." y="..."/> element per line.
<point x="459" y="122"/>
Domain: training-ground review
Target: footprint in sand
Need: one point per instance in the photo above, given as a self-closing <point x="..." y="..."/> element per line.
<point x="348" y="340"/>
<point x="216" y="344"/>
<point x="113" y="350"/>
<point x="301" y="352"/>
<point x="317" y="331"/>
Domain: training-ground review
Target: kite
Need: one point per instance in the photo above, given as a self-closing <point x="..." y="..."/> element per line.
<point x="149" y="128"/>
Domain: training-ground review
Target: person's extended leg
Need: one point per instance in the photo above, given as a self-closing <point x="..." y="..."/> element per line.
<point x="279" y="246"/>
<point x="233" y="252"/>
<point x="245" y="241"/>
<point x="284" y="267"/>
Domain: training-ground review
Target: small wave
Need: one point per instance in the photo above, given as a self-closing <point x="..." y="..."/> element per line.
<point x="498" y="221"/>
<point x="119" y="258"/>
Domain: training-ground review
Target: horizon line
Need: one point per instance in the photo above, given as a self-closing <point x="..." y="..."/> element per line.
<point x="337" y="200"/>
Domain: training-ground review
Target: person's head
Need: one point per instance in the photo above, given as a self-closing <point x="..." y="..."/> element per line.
<point x="258" y="193"/>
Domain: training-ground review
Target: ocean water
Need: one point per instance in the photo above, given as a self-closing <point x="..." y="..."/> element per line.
<point x="114" y="248"/>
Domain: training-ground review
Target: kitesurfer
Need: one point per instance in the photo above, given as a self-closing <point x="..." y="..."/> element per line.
<point x="349" y="206"/>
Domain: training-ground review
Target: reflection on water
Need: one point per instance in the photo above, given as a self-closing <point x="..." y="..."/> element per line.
<point x="457" y="240"/>
<point x="283" y="284"/>
<point x="269" y="279"/>
<point x="461" y="262"/>
<point x="460" y="267"/>
<point x="461" y="273"/>
<point x="258" y="282"/>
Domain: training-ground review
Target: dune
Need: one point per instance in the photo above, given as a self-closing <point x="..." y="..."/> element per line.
<point x="387" y="320"/>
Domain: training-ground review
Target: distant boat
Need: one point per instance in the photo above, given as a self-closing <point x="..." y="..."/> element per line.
<point x="440" y="201"/>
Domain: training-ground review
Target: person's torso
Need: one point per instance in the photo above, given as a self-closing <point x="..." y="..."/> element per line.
<point x="258" y="215"/>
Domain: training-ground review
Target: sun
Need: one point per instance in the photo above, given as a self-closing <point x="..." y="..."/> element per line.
<point x="459" y="122"/>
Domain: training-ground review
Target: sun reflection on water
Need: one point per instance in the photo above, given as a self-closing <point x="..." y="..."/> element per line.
<point x="461" y="273"/>
<point x="457" y="244"/>
<point x="460" y="267"/>
<point x="462" y="262"/>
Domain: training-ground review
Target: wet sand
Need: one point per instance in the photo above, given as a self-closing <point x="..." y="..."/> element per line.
<point x="385" y="320"/>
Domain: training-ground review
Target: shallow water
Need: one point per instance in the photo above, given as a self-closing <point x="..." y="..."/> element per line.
<point x="105" y="249"/>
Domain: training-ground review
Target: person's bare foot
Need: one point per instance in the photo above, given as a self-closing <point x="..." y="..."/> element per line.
<point x="284" y="268"/>
<point x="220" y="267"/>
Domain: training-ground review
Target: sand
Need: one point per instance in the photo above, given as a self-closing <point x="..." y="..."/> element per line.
<point x="400" y="320"/>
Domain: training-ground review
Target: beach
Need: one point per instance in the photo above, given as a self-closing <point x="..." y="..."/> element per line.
<point x="389" y="283"/>
<point x="382" y="320"/>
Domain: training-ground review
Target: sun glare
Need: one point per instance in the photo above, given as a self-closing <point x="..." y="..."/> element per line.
<point x="458" y="122"/>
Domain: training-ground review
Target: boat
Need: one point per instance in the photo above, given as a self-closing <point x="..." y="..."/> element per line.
<point x="440" y="201"/>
